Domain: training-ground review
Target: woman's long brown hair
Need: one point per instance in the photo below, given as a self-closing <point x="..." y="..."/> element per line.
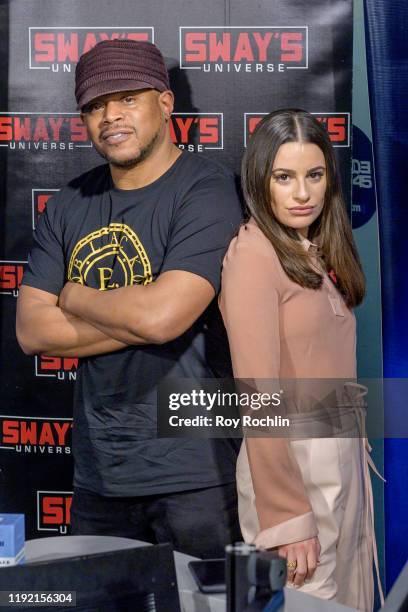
<point x="333" y="228"/>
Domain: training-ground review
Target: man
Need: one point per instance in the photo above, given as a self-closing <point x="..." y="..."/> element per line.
<point x="123" y="274"/>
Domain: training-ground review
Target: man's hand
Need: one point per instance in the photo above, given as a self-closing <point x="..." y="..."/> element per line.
<point x="302" y="559"/>
<point x="153" y="314"/>
<point x="71" y="292"/>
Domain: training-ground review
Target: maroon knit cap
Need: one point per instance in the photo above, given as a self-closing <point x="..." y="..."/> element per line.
<point x="119" y="65"/>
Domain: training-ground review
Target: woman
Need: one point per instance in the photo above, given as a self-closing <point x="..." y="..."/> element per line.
<point x="290" y="281"/>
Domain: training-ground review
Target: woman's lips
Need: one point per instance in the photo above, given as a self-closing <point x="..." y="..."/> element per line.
<point x="301" y="211"/>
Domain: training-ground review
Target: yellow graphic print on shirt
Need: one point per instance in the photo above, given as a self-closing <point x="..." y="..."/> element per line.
<point x="109" y="258"/>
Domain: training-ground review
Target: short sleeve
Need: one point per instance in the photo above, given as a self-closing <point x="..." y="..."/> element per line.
<point x="202" y="227"/>
<point x="46" y="265"/>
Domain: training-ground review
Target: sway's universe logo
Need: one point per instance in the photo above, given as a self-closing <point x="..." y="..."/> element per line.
<point x="54" y="510"/>
<point x="197" y="131"/>
<point x="36" y="435"/>
<point x="61" y="368"/>
<point x="337" y="125"/>
<point x="243" y="49"/>
<point x="42" y="131"/>
<point x="39" y="199"/>
<point x="59" y="48"/>
<point x="112" y="257"/>
<point x="11" y="275"/>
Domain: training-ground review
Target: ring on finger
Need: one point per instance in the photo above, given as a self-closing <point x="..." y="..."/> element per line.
<point x="291" y="565"/>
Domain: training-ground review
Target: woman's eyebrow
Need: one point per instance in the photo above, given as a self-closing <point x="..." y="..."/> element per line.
<point x="288" y="171"/>
<point x="317" y="168"/>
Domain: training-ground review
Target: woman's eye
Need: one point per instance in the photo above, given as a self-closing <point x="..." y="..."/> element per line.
<point x="283" y="178"/>
<point x="315" y="176"/>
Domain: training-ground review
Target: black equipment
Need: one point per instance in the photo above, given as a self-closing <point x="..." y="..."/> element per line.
<point x="142" y="579"/>
<point x="255" y="578"/>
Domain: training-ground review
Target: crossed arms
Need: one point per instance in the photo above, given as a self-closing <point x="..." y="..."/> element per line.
<point x="82" y="321"/>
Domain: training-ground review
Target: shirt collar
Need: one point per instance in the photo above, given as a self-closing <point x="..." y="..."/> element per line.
<point x="311" y="247"/>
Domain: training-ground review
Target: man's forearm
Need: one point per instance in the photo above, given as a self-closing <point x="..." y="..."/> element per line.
<point x="48" y="330"/>
<point x="152" y="314"/>
<point x="99" y="347"/>
<point x="121" y="311"/>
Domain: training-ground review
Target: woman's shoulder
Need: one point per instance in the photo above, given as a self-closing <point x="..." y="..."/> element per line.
<point x="251" y="255"/>
<point x="251" y="242"/>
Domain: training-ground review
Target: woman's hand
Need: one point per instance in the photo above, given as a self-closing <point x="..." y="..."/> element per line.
<point x="302" y="559"/>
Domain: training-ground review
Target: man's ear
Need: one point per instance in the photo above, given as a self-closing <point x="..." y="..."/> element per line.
<point x="166" y="101"/>
<point x="83" y="119"/>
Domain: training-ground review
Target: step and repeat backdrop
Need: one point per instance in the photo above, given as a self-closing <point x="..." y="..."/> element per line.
<point x="230" y="62"/>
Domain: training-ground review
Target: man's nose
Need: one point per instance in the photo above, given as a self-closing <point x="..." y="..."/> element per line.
<point x="113" y="111"/>
<point x="301" y="192"/>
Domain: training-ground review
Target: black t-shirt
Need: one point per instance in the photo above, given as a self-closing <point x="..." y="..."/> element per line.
<point x="106" y="238"/>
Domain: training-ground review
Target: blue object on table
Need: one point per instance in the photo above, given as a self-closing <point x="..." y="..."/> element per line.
<point x="12" y="539"/>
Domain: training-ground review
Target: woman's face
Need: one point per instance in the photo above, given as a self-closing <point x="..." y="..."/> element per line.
<point x="298" y="184"/>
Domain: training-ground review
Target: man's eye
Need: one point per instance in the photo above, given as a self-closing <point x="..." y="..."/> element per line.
<point x="129" y="99"/>
<point x="92" y="108"/>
